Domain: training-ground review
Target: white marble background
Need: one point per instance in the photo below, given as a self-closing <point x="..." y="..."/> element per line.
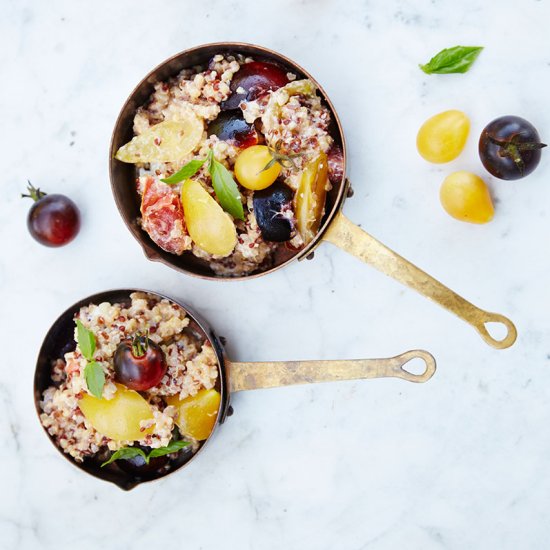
<point x="460" y="462"/>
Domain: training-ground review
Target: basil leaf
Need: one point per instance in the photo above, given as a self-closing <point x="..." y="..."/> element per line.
<point x="125" y="453"/>
<point x="86" y="340"/>
<point x="172" y="447"/>
<point x="225" y="187"/>
<point x="188" y="171"/>
<point x="95" y="378"/>
<point x="452" y="60"/>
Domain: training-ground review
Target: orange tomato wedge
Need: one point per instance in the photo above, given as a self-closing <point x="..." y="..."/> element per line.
<point x="197" y="414"/>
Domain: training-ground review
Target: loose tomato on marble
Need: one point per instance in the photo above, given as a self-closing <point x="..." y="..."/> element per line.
<point x="442" y="137"/>
<point x="53" y="220"/>
<point x="466" y="197"/>
<point x="510" y="147"/>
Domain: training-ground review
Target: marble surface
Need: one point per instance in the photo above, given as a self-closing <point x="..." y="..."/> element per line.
<point x="462" y="461"/>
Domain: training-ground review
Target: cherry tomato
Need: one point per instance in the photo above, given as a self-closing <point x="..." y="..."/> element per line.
<point x="53" y="220"/>
<point x="442" y="137"/>
<point x="466" y="197"/>
<point x="509" y="147"/>
<point x="273" y="211"/>
<point x="231" y="126"/>
<point x="139" y="363"/>
<point x="253" y="80"/>
<point x="250" y="168"/>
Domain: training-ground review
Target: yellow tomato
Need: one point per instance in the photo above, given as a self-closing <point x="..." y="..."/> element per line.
<point x="249" y="168"/>
<point x="442" y="137"/>
<point x="310" y="197"/>
<point x="164" y="142"/>
<point x="209" y="226"/>
<point x="466" y="197"/>
<point x="118" y="418"/>
<point x="197" y="414"/>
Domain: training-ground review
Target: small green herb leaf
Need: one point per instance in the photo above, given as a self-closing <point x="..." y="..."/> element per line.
<point x="452" y="60"/>
<point x="125" y="453"/>
<point x="225" y="187"/>
<point x="188" y="171"/>
<point x="86" y="340"/>
<point x="95" y="378"/>
<point x="172" y="447"/>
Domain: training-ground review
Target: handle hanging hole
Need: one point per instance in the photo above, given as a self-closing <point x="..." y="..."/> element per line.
<point x="496" y="330"/>
<point x="416" y="366"/>
<point x="503" y="332"/>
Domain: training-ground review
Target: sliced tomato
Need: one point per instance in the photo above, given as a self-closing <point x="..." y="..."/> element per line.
<point x="310" y="197"/>
<point x="335" y="164"/>
<point x="162" y="216"/>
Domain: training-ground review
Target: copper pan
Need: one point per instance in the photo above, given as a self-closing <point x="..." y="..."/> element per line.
<point x="336" y="228"/>
<point x="233" y="377"/>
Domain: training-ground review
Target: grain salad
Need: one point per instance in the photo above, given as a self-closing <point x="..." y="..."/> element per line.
<point x="90" y="420"/>
<point x="234" y="160"/>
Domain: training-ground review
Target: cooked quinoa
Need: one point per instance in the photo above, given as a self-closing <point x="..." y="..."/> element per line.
<point x="292" y="118"/>
<point x="191" y="366"/>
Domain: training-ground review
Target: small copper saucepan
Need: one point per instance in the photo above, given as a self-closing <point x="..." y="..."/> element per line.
<point x="233" y="377"/>
<point x="336" y="228"/>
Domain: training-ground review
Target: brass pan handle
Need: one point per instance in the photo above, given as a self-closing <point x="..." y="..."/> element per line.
<point x="252" y="376"/>
<point x="351" y="238"/>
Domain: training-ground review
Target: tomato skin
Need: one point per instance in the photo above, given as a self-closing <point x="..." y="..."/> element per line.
<point x="442" y="137"/>
<point x="271" y="208"/>
<point x="197" y="414"/>
<point x="118" y="418"/>
<point x="510" y="147"/>
<point x="255" y="78"/>
<point x="139" y="372"/>
<point x="231" y="126"/>
<point x="209" y="226"/>
<point x="54" y="220"/>
<point x="249" y="168"/>
<point x="162" y="216"/>
<point x="311" y="196"/>
<point x="466" y="197"/>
